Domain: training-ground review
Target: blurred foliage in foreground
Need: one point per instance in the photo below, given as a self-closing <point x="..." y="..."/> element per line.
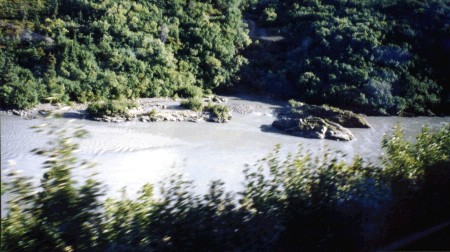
<point x="301" y="201"/>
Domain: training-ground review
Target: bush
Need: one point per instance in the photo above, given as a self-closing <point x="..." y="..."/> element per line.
<point x="21" y="96"/>
<point x="19" y="89"/>
<point x="152" y="113"/>
<point x="219" y="112"/>
<point x="110" y="108"/>
<point x="194" y="103"/>
<point x="409" y="161"/>
<point x="189" y="92"/>
<point x="419" y="175"/>
<point x="269" y="15"/>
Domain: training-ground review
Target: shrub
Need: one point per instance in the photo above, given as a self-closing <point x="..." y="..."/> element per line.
<point x="189" y="92"/>
<point x="219" y="112"/>
<point x="419" y="177"/>
<point x="269" y="15"/>
<point x="152" y="113"/>
<point x="193" y="103"/>
<point x="409" y="161"/>
<point x="110" y="108"/>
<point x="19" y="89"/>
<point x="20" y="96"/>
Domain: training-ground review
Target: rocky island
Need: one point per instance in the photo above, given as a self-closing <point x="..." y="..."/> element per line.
<point x="321" y="122"/>
<point x="209" y="108"/>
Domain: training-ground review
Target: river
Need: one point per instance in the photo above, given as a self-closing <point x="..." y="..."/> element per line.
<point x="134" y="153"/>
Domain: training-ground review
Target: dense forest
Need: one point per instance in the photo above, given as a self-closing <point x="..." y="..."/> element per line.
<point x="374" y="56"/>
<point x="377" y="57"/>
<point x="299" y="202"/>
<point x="72" y="50"/>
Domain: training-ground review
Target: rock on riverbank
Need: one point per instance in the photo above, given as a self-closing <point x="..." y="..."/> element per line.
<point x="345" y="118"/>
<point x="319" y="122"/>
<point x="313" y="127"/>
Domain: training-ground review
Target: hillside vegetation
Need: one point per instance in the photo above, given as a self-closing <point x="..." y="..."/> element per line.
<point x="376" y="57"/>
<point x="72" y="50"/>
<point x="372" y="56"/>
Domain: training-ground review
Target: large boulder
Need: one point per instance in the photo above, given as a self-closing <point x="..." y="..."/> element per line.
<point x="343" y="117"/>
<point x="313" y="127"/>
<point x="321" y="122"/>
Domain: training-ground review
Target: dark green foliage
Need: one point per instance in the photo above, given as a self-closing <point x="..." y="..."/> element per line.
<point x="220" y="112"/>
<point x="373" y="56"/>
<point x="193" y="103"/>
<point x="87" y="51"/>
<point x="19" y="88"/>
<point x="298" y="202"/>
<point x="110" y="108"/>
<point x="189" y="92"/>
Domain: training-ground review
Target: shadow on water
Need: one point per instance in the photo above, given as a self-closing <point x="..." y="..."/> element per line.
<point x="258" y="98"/>
<point x="175" y="107"/>
<point x="73" y="115"/>
<point x="269" y="129"/>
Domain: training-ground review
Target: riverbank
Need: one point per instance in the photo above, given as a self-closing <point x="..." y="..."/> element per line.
<point x="166" y="109"/>
<point x="133" y="153"/>
<point x="146" y="110"/>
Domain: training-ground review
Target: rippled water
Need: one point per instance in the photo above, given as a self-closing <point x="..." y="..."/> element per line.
<point x="133" y="153"/>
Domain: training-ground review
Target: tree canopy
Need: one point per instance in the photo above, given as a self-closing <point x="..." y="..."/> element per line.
<point x="373" y="56"/>
<point x="61" y="50"/>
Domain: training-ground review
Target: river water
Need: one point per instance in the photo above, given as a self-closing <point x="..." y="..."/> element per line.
<point x="134" y="153"/>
